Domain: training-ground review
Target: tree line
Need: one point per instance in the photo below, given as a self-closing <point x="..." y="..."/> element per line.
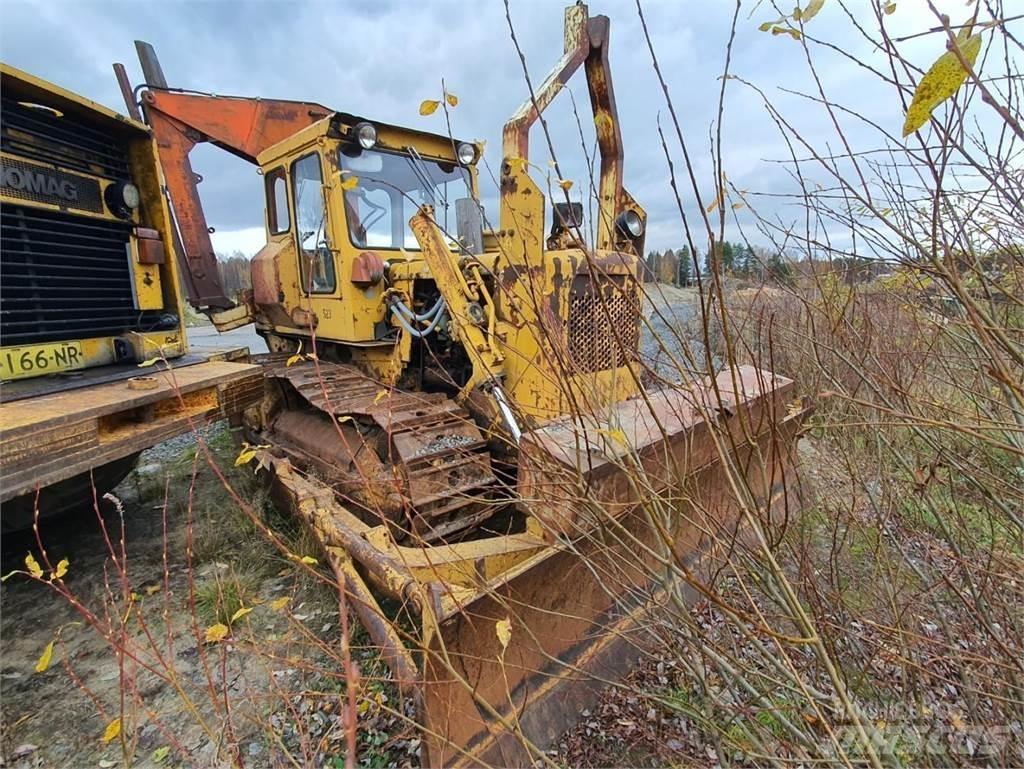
<point x="740" y="260"/>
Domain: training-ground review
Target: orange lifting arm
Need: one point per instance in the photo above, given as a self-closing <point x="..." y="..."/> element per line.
<point x="242" y="126"/>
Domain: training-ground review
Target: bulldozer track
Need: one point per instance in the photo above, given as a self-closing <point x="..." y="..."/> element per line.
<point x="434" y="460"/>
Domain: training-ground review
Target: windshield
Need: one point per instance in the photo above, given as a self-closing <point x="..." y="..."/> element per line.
<point x="391" y="188"/>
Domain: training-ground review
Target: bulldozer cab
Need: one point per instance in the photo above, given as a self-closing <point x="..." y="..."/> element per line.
<point x="339" y="197"/>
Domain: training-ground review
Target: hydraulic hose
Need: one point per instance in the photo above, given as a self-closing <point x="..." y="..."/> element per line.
<point x="411" y="315"/>
<point x="418" y="333"/>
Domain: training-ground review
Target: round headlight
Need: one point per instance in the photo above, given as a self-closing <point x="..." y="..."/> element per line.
<point x="122" y="198"/>
<point x="466" y="153"/>
<point x="366" y="135"/>
<point x="130" y="195"/>
<point x="630" y="224"/>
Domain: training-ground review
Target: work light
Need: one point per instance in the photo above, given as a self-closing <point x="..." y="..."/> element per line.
<point x="466" y="153"/>
<point x="366" y="135"/>
<point x="630" y="224"/>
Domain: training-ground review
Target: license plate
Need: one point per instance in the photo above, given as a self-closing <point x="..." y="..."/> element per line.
<point x="39" y="359"/>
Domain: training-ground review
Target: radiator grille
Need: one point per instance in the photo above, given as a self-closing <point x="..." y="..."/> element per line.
<point x="28" y="181"/>
<point x="66" y="277"/>
<point x="67" y="141"/>
<point x="604" y="323"/>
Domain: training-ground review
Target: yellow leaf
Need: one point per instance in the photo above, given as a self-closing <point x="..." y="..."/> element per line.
<point x="565" y="184"/>
<point x="216" y="633"/>
<point x="308" y="559"/>
<point x="452" y="99"/>
<point x="350" y="183"/>
<point x="811" y="10"/>
<point x="429" y="106"/>
<point x="615" y="436"/>
<point x="33" y="566"/>
<point x="279" y="603"/>
<point x="148" y="363"/>
<point x="245" y="456"/>
<point x="602" y="121"/>
<point x="794" y="33"/>
<point x="766" y="26"/>
<point x="716" y="202"/>
<point x="362" y="707"/>
<point x="44" y="658"/>
<point x="380" y="396"/>
<point x="240" y="613"/>
<point x="160" y="754"/>
<point x="737" y="206"/>
<point x="503" y="628"/>
<point x="890" y="9"/>
<point x="345" y="418"/>
<point x="112" y="731"/>
<point x="941" y="81"/>
<point x="292" y="360"/>
<point x="152" y="589"/>
<point x="62" y="569"/>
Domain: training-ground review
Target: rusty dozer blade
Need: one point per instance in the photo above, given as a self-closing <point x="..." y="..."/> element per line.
<point x="622" y="516"/>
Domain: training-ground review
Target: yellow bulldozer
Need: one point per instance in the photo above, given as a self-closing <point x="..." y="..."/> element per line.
<point x="457" y="409"/>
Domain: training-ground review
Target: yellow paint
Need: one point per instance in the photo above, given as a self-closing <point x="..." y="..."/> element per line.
<point x="148" y="287"/>
<point x="38" y="359"/>
<point x="157" y="287"/>
<point x="509" y="308"/>
<point x="21" y="362"/>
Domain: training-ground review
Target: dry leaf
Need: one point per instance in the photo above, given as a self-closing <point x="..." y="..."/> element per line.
<point x="44" y="658"/>
<point x="452" y="99"/>
<point x="112" y="731"/>
<point x="240" y="613"/>
<point x="279" y="603"/>
<point x="33" y="566"/>
<point x="565" y="184"/>
<point x="245" y="456"/>
<point x="215" y="633"/>
<point x="810" y="11"/>
<point x="941" y="81"/>
<point x="429" y="106"/>
<point x="503" y="628"/>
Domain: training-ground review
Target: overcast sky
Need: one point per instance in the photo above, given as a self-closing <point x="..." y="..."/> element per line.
<point x="381" y="59"/>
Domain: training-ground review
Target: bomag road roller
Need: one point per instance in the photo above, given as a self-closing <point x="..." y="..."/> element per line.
<point x="89" y="292"/>
<point x="457" y="410"/>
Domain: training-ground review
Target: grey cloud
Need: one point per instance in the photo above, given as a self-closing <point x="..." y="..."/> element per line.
<point x="380" y="59"/>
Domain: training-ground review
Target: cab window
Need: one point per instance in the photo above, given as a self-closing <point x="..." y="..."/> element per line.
<point x="316" y="264"/>
<point x="391" y="186"/>
<point x="277" y="202"/>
